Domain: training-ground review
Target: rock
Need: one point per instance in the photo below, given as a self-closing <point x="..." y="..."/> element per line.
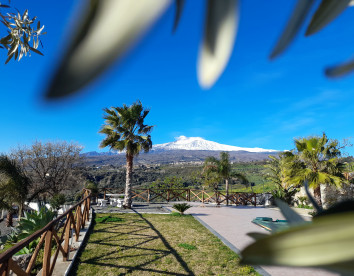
<point x="22" y="260"/>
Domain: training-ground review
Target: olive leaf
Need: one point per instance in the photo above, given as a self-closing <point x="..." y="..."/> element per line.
<point x="219" y="37"/>
<point x="328" y="242"/>
<point x="179" y="10"/>
<point x="290" y="215"/>
<point x="293" y="26"/>
<point x="108" y="29"/>
<point x="340" y="70"/>
<point x="326" y="12"/>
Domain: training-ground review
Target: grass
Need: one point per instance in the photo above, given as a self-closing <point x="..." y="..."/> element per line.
<point x="156" y="245"/>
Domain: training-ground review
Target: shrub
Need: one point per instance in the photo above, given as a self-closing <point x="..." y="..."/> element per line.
<point x="285" y="194"/>
<point x="57" y="200"/>
<point x="93" y="187"/>
<point x="181" y="207"/>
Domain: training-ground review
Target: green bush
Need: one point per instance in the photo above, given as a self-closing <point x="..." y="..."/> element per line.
<point x="181" y="207"/>
<point x="57" y="200"/>
<point x="93" y="187"/>
<point x="285" y="194"/>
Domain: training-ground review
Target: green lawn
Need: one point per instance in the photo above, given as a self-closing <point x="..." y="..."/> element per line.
<point x="134" y="244"/>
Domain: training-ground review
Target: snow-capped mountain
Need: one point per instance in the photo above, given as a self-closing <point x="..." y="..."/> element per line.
<point x="198" y="143"/>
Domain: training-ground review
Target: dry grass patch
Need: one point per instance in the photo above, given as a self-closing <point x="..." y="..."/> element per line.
<point x="136" y="244"/>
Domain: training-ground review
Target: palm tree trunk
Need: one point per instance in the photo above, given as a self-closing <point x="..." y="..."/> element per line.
<point x="227" y="192"/>
<point x="317" y="195"/>
<point x="128" y="182"/>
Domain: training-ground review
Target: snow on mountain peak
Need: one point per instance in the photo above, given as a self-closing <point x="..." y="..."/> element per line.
<point x="198" y="143"/>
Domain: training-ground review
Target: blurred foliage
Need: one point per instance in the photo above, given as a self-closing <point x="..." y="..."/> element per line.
<point x="327" y="242"/>
<point x="110" y="23"/>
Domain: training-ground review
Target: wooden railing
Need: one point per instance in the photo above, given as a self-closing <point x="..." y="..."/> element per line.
<point x="190" y="195"/>
<point x="72" y="220"/>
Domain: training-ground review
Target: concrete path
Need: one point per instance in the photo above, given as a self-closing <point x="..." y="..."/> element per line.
<point x="233" y="223"/>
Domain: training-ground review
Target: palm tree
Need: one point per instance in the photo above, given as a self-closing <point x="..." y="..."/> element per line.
<point x="221" y="168"/>
<point x="125" y="131"/>
<point x="13" y="187"/>
<point x="319" y="157"/>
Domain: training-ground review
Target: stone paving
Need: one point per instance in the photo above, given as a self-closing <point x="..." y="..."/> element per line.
<point x="233" y="223"/>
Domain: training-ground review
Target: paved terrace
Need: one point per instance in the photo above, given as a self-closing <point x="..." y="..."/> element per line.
<point x="231" y="224"/>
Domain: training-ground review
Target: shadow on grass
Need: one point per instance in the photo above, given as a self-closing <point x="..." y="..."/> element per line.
<point x="109" y="258"/>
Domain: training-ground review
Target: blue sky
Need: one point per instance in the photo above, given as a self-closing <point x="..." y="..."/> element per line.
<point x="255" y="103"/>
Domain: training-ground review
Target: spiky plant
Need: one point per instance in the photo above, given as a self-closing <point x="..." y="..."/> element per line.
<point x="181" y="207"/>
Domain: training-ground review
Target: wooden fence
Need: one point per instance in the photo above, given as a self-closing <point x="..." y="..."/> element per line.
<point x="190" y="195"/>
<point x="71" y="221"/>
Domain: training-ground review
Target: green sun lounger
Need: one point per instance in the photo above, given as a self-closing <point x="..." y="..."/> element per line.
<point x="271" y="225"/>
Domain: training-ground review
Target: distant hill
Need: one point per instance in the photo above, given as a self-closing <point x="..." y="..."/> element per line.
<point x="171" y="157"/>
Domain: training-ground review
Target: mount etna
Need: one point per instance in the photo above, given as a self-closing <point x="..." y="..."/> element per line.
<point x="184" y="149"/>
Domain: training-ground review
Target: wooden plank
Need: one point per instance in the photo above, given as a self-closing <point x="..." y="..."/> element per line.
<point x="4" y="269"/>
<point x="16" y="268"/>
<point x="47" y="253"/>
<point x="35" y="254"/>
<point x="58" y="241"/>
<point x="13" y="250"/>
<point x="66" y="233"/>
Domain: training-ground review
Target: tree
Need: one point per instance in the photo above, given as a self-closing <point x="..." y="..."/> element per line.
<point x="279" y="170"/>
<point x="49" y="166"/>
<point x="320" y="164"/>
<point x="221" y="169"/>
<point x="125" y="131"/>
<point x="21" y="37"/>
<point x="13" y="187"/>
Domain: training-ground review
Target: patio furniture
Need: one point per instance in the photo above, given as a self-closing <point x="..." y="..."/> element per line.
<point x="102" y="202"/>
<point x="119" y="203"/>
<point x="271" y="225"/>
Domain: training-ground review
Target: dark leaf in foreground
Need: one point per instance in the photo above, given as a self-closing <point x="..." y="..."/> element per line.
<point x="326" y="12"/>
<point x="179" y="10"/>
<point x="107" y="30"/>
<point x="340" y="70"/>
<point x="292" y="28"/>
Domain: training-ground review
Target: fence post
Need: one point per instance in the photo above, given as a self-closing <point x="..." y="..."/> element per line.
<point x="255" y="199"/>
<point x="168" y="195"/>
<point x="203" y="196"/>
<point x="78" y="222"/>
<point x="4" y="268"/>
<point x="47" y="253"/>
<point x="67" y="238"/>
<point x="148" y="196"/>
<point x="104" y="193"/>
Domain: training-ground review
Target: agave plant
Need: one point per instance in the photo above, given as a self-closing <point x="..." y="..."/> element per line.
<point x="34" y="221"/>
<point x="181" y="207"/>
